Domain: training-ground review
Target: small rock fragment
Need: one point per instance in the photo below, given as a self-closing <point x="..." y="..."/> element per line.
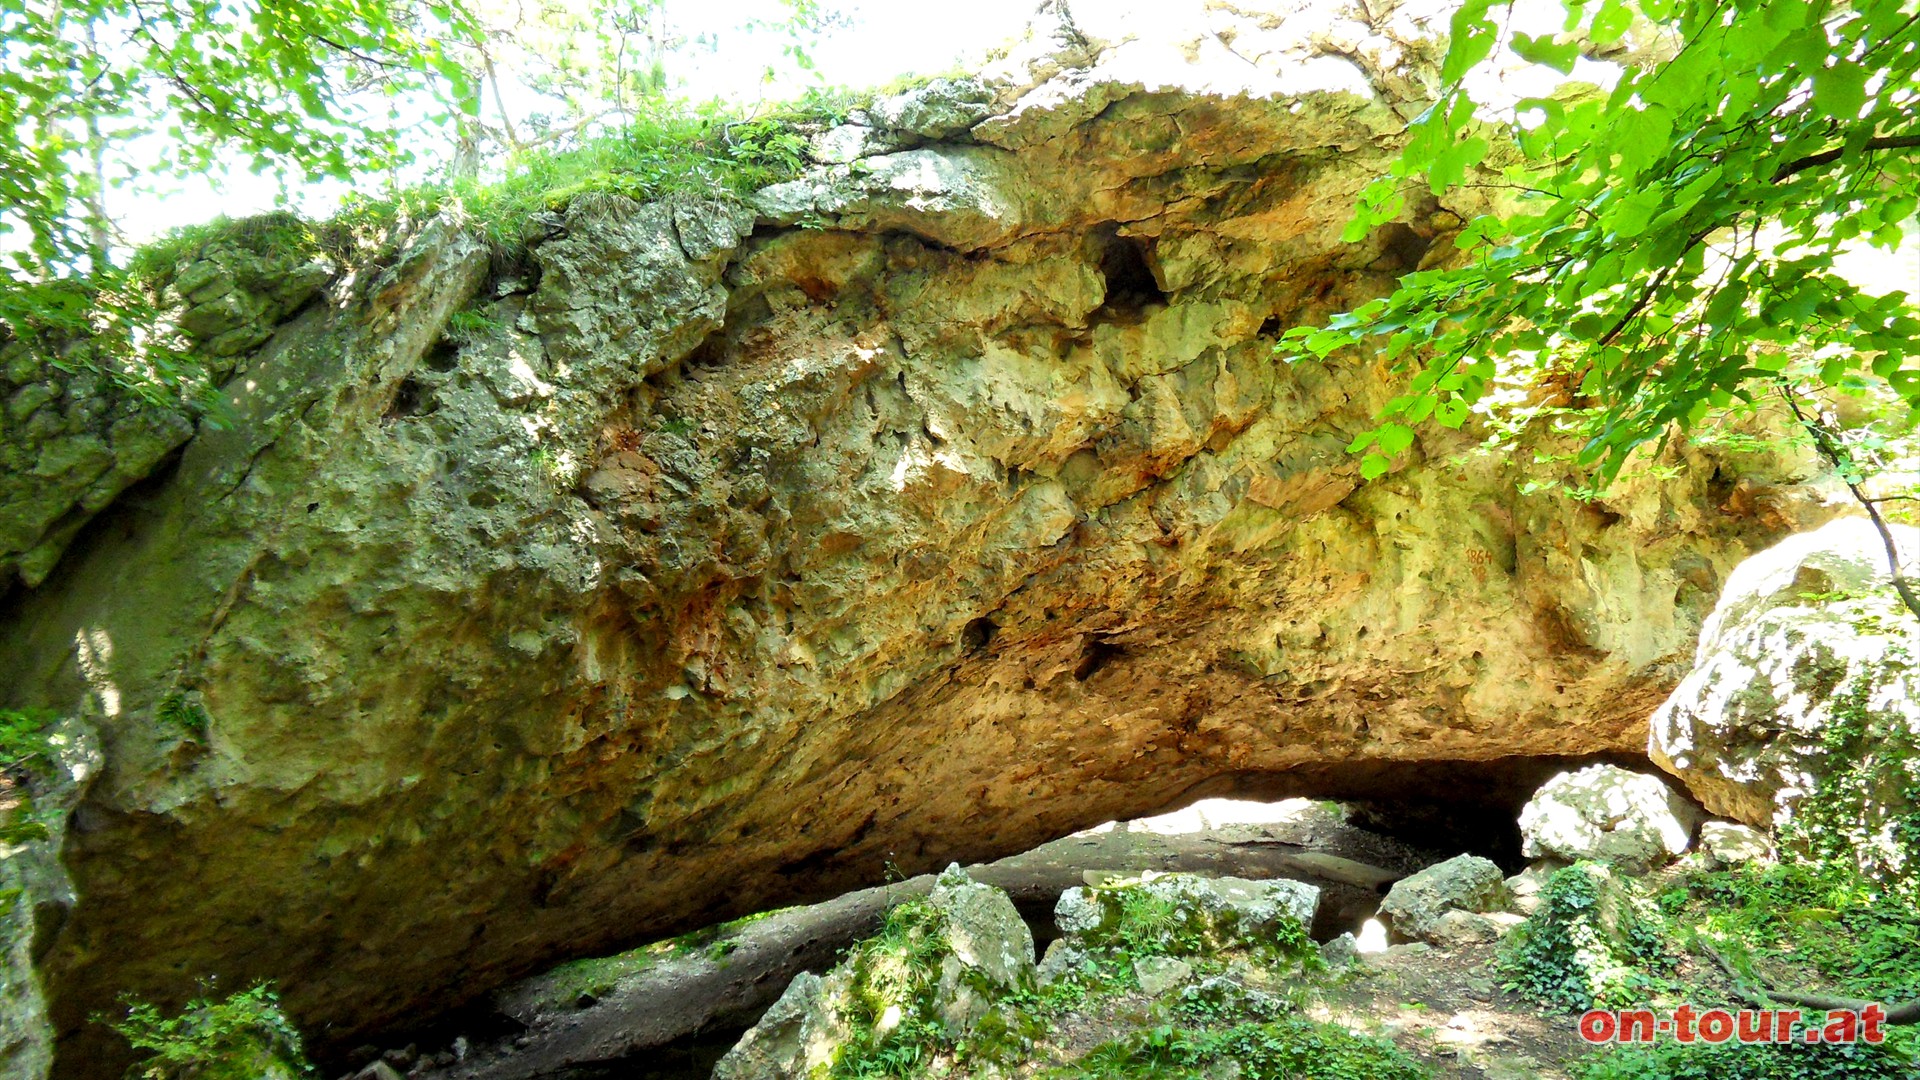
<point x="1159" y="974"/>
<point x="1343" y="951"/>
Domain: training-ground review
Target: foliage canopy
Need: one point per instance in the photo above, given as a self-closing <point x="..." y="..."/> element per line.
<point x="1664" y="247"/>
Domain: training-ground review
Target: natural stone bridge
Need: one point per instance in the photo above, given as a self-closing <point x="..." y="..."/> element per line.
<point x="947" y="500"/>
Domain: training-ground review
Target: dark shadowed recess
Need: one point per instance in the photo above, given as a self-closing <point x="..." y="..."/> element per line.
<point x="1446" y="808"/>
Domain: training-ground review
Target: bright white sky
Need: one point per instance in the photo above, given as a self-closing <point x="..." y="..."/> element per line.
<point x="884" y="39"/>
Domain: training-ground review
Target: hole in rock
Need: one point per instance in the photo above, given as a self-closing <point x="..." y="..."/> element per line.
<point x="1364" y="826"/>
<point x="1097" y="654"/>
<point x="978" y="634"/>
<point x="1401" y="248"/>
<point x="443" y="356"/>
<point x="1125" y="264"/>
<point x="412" y="398"/>
<point x="1272" y="327"/>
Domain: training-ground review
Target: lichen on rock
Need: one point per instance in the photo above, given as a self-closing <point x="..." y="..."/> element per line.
<point x="935" y="972"/>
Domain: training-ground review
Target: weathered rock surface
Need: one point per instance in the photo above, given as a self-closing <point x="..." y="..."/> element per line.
<point x="1222" y="911"/>
<point x="740" y="558"/>
<point x="1457" y="928"/>
<point x="1417" y="905"/>
<point x="1730" y="844"/>
<point x="1633" y="820"/>
<point x="1804" y="700"/>
<point x="35" y="893"/>
<point x="1159" y="974"/>
<point x="72" y="438"/>
<point x="797" y="1036"/>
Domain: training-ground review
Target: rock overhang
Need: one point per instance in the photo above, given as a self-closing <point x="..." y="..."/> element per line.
<point x="742" y="557"/>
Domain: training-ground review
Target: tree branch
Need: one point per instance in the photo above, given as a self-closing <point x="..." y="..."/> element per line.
<point x="1839" y="458"/>
<point x="1766" y="997"/>
<point x="1828" y="157"/>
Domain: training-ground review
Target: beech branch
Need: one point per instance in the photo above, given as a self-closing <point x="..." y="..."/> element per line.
<point x="1828" y="157"/>
<point x="1766" y="997"/>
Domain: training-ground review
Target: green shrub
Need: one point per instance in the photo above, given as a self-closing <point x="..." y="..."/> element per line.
<point x="24" y="751"/>
<point x="245" y="1037"/>
<point x="1893" y="1060"/>
<point x="23" y="740"/>
<point x="895" y="973"/>
<point x="1828" y="916"/>
<point x="1281" y="1049"/>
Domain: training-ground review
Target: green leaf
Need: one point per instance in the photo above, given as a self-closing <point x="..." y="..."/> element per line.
<point x="1545" y="49"/>
<point x="1840" y="90"/>
<point x="1611" y="22"/>
<point x="1471" y="40"/>
<point x="1394" y="438"/>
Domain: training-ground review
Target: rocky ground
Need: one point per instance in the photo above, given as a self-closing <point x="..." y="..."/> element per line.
<point x="1202" y="973"/>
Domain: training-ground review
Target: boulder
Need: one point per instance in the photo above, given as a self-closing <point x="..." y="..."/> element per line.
<point x="1415" y="905"/>
<point x="1192" y="913"/>
<point x="797" y="1036"/>
<point x="1731" y="844"/>
<point x="1525" y="886"/>
<point x="1065" y="958"/>
<point x="1340" y="952"/>
<point x="1457" y="928"/>
<point x="1633" y="820"/>
<point x="986" y="948"/>
<point x="983" y="950"/>
<point x="1802" y="713"/>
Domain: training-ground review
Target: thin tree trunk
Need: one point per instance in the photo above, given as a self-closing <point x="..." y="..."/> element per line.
<point x="94" y="189"/>
<point x="1837" y="455"/>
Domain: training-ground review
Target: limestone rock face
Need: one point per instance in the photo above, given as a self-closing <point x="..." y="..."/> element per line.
<point x="1803" y="706"/>
<point x="1417" y="905"/>
<point x="1633" y="820"/>
<point x="72" y="439"/>
<point x="70" y="443"/>
<point x="943" y="503"/>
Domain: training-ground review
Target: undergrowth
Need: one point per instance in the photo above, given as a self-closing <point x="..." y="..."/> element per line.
<point x="1818" y="925"/>
<point x="23" y="740"/>
<point x="1893" y="1060"/>
<point x="24" y="754"/>
<point x="243" y="1037"/>
<point x="895" y="973"/>
<point x="1593" y="942"/>
<point x="1819" y="921"/>
<point x="1279" y="1049"/>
